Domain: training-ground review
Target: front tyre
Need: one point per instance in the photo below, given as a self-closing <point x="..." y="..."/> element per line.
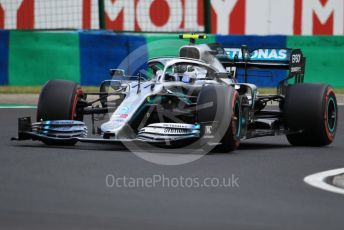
<point x="231" y="139"/>
<point x="311" y="109"/>
<point x="58" y="101"/>
<point x="224" y="107"/>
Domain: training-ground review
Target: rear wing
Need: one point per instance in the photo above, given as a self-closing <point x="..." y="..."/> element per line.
<point x="287" y="59"/>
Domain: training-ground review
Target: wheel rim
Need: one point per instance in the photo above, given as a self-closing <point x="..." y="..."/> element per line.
<point x="331" y="115"/>
<point x="237" y="119"/>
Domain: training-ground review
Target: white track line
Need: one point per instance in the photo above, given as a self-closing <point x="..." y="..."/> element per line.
<point x="18" y="107"/>
<point x="318" y="180"/>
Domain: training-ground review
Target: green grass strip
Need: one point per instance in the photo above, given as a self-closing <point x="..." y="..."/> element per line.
<point x="89" y="89"/>
<point x="17" y="106"/>
<point x="36" y="89"/>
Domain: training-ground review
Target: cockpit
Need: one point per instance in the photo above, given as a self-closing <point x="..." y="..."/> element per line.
<point x="186" y="71"/>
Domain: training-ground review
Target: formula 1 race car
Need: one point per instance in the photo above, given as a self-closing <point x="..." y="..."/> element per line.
<point x="192" y="98"/>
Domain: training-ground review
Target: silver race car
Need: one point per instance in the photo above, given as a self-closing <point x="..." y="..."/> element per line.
<point x="194" y="98"/>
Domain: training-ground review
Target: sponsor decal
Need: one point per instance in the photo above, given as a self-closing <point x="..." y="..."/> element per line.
<point x="295" y="69"/>
<point x="260" y="54"/>
<point x="269" y="54"/>
<point x="298" y="17"/>
<point x="231" y="53"/>
<point x="296" y="58"/>
<point x="124" y="115"/>
<point x="208" y="129"/>
<point x="175" y="125"/>
<point x="168" y="131"/>
<point x="122" y="112"/>
<point x="63" y="123"/>
<point x="175" y="131"/>
<point x="125" y="109"/>
<point x="170" y="125"/>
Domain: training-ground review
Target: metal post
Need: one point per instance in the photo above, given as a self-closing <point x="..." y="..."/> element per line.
<point x="101" y="10"/>
<point x="207" y="16"/>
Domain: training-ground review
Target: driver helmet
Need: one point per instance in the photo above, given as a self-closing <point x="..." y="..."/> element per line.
<point x="189" y="75"/>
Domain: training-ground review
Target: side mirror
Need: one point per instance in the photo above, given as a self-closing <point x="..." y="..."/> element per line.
<point x="117" y="72"/>
<point x="152" y="86"/>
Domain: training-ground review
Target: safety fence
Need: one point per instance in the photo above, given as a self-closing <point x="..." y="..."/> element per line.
<point x="245" y="17"/>
<point x="31" y="58"/>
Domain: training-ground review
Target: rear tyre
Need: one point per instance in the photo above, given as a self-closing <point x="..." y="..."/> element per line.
<point x="311" y="109"/>
<point x="224" y="107"/>
<point x="58" y="101"/>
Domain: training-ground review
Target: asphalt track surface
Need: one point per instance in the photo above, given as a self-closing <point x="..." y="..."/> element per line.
<point x="64" y="188"/>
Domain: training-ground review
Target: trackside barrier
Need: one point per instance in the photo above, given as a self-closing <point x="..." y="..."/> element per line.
<point x="32" y="57"/>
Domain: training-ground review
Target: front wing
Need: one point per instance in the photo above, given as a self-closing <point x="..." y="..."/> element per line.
<point x="66" y="132"/>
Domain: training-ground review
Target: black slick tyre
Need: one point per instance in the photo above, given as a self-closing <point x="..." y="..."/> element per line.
<point x="310" y="109"/>
<point x="58" y="101"/>
<point x="221" y="104"/>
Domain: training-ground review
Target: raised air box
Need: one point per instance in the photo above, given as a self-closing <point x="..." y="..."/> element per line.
<point x="190" y="52"/>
